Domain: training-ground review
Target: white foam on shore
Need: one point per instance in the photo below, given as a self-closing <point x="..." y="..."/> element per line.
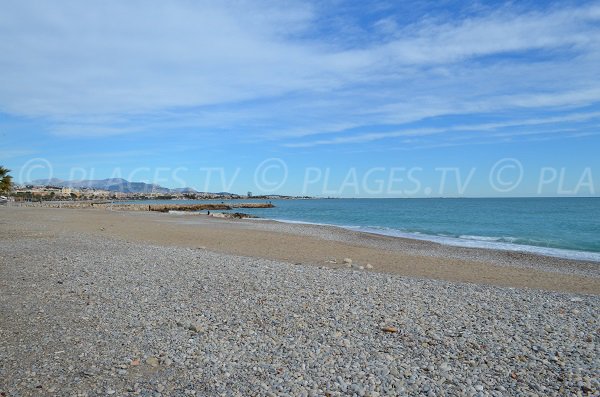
<point x="467" y="241"/>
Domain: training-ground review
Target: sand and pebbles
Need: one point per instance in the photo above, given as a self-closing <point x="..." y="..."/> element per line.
<point x="88" y="312"/>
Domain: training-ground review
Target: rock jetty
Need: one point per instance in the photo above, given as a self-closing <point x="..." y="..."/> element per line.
<point x="117" y="206"/>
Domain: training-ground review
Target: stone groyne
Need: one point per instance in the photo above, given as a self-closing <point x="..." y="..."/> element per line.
<point x="116" y="206"/>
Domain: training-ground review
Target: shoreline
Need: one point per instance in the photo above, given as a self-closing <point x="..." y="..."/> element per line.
<point x="97" y="313"/>
<point x="146" y="303"/>
<point x="500" y="257"/>
<point x="494" y="245"/>
<point x="321" y="246"/>
<point x="478" y="242"/>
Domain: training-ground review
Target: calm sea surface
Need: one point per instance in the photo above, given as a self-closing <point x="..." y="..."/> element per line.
<point x="567" y="227"/>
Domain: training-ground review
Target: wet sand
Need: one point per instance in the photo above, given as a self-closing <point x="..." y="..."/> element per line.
<point x="312" y="245"/>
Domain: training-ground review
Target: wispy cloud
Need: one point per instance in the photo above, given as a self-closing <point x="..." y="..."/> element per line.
<point x="499" y="33"/>
<point x="485" y="127"/>
<point x="15" y="153"/>
<point x="267" y="69"/>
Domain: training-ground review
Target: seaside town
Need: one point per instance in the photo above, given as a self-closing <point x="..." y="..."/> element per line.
<point x="25" y="193"/>
<point x="37" y="193"/>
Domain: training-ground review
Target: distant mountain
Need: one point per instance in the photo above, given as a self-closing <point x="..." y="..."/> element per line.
<point x="183" y="190"/>
<point x="48" y="182"/>
<point x="112" y="185"/>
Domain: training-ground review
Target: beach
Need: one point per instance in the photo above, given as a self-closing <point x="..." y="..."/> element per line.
<point x="316" y="245"/>
<point x="99" y="302"/>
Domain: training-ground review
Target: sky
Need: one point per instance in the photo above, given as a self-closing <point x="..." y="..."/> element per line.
<point x="322" y="98"/>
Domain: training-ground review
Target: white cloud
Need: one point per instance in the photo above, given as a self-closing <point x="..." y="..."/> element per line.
<point x="495" y="34"/>
<point x="15" y="153"/>
<point x="482" y="128"/>
<point x="115" y="57"/>
<point x="105" y="68"/>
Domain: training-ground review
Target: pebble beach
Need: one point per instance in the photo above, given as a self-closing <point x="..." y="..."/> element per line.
<point x="85" y="314"/>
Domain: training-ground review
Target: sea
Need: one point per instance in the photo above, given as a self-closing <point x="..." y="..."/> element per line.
<point x="562" y="227"/>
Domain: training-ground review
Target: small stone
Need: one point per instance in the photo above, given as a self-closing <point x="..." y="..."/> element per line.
<point x="135" y="362"/>
<point x="347" y="261"/>
<point x="195" y="328"/>
<point x="445" y="367"/>
<point x="369" y="266"/>
<point x="152" y="361"/>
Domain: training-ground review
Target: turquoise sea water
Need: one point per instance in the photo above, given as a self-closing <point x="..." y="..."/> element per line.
<point x="567" y="227"/>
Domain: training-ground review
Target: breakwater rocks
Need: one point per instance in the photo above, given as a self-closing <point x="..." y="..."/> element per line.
<point x="116" y="206"/>
<point x="228" y="215"/>
<point x="205" y="207"/>
<point x="232" y="215"/>
<point x="187" y="207"/>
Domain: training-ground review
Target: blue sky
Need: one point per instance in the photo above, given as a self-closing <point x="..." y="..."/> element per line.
<point x="322" y="98"/>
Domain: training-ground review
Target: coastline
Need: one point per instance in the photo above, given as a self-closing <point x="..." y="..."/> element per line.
<point x="97" y="302"/>
<point x="321" y="246"/>
<point x="193" y="207"/>
<point x="475" y="243"/>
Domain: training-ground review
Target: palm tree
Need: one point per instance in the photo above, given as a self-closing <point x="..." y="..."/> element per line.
<point x="5" y="180"/>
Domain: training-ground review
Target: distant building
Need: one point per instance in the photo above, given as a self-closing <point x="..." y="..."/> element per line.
<point x="249" y="194"/>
